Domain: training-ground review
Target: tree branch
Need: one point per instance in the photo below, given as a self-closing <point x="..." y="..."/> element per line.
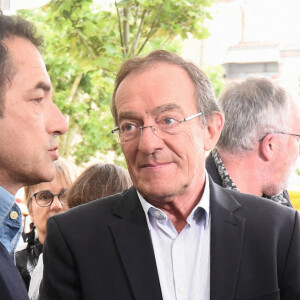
<point x="138" y="34"/>
<point x="153" y="26"/>
<point x="74" y="88"/>
<point x="137" y="6"/>
<point x="120" y="29"/>
<point x="82" y="40"/>
<point x="86" y="46"/>
<point x="126" y="29"/>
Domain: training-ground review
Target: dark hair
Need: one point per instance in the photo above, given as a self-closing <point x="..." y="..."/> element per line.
<point x="98" y="181"/>
<point x="204" y="93"/>
<point x="13" y="26"/>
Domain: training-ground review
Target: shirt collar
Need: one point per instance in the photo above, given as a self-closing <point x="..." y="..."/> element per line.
<point x="203" y="205"/>
<point x="7" y="201"/>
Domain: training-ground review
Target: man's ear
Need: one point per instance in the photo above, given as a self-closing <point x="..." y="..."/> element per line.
<point x="267" y="147"/>
<point x="214" y="127"/>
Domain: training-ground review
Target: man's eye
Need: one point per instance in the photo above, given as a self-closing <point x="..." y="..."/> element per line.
<point x="128" y="127"/>
<point x="37" y="100"/>
<point x="167" y="121"/>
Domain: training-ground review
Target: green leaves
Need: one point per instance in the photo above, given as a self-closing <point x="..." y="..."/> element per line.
<point x="86" y="44"/>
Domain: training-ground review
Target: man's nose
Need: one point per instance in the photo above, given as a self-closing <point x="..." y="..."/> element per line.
<point x="149" y="140"/>
<point x="57" y="123"/>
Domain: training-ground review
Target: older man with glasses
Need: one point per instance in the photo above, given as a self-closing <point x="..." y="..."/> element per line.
<point x="259" y="144"/>
<point x="175" y="234"/>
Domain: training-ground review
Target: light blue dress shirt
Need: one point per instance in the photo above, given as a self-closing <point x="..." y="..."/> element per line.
<point x="183" y="260"/>
<point x="10" y="221"/>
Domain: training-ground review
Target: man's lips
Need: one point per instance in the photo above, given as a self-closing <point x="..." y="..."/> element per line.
<point x="54" y="148"/>
<point x="53" y="151"/>
<point x="155" y="165"/>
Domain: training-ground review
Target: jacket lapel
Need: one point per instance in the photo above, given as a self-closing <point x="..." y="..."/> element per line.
<point x="227" y="234"/>
<point x="133" y="242"/>
<point x="212" y="170"/>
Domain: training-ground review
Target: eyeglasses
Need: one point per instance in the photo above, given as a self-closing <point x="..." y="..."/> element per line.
<point x="46" y="198"/>
<point x="166" y="124"/>
<point x="297" y="136"/>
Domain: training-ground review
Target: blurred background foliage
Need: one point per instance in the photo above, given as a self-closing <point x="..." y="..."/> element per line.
<point x="87" y="41"/>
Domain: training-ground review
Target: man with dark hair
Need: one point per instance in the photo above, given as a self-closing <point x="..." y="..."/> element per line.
<point x="259" y="144"/>
<point x="175" y="234"/>
<point x="29" y="122"/>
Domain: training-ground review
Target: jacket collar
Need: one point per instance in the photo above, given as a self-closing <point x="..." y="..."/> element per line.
<point x="134" y="244"/>
<point x="133" y="241"/>
<point x="227" y="235"/>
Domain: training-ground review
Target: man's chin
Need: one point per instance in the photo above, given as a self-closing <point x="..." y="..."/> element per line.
<point x="44" y="177"/>
<point x="156" y="193"/>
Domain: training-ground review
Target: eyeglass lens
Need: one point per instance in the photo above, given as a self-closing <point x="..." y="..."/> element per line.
<point x="44" y="198"/>
<point x="165" y="124"/>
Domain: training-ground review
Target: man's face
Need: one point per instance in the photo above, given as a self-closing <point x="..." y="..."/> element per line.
<point x="170" y="165"/>
<point x="30" y="122"/>
<point x="288" y="152"/>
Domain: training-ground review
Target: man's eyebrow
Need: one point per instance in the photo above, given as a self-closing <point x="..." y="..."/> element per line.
<point x="44" y="86"/>
<point x="128" y="115"/>
<point x="156" y="111"/>
<point x="167" y="107"/>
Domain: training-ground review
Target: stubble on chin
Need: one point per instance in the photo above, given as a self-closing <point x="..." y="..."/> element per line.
<point x="276" y="188"/>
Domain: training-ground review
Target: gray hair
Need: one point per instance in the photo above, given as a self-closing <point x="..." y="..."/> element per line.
<point x="252" y="108"/>
<point x="204" y="93"/>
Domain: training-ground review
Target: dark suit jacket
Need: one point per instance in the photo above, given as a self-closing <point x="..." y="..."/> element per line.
<point x="11" y="284"/>
<point x="103" y="250"/>
<point x="213" y="172"/>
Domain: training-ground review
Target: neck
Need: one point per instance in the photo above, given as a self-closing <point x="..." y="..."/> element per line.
<point x="11" y="188"/>
<point x="244" y="170"/>
<point x="9" y="183"/>
<point x="179" y="207"/>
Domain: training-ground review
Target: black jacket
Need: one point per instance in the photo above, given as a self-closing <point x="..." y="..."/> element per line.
<point x="103" y="250"/>
<point x="11" y="284"/>
<point x="26" y="260"/>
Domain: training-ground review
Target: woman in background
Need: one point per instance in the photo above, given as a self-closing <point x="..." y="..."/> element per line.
<point x="43" y="201"/>
<point x="98" y="181"/>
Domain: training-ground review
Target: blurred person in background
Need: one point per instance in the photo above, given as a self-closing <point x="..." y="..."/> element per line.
<point x="43" y="201"/>
<point x="259" y="144"/>
<point x="29" y="123"/>
<point x="98" y="181"/>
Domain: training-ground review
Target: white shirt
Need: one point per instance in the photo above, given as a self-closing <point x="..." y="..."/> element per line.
<point x="183" y="260"/>
<point x="36" y="278"/>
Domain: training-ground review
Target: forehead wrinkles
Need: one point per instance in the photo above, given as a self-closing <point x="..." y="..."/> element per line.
<point x="150" y="88"/>
<point x="155" y="112"/>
